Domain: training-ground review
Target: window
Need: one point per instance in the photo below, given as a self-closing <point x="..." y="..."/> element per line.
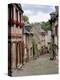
<point x="16" y="17"/>
<point x="16" y="14"/>
<point x="10" y="14"/>
<point x="20" y="18"/>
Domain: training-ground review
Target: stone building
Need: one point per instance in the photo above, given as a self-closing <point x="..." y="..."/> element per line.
<point x="28" y="48"/>
<point x="54" y="29"/>
<point x="40" y="38"/>
<point x="15" y="36"/>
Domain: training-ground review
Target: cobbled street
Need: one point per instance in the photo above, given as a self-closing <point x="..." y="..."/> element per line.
<point x="41" y="65"/>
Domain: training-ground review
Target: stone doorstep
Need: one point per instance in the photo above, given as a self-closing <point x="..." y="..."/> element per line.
<point x="19" y="66"/>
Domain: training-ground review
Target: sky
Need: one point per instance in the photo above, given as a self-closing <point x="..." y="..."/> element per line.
<point x="37" y="13"/>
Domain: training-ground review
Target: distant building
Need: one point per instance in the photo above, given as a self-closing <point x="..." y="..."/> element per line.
<point x="40" y="37"/>
<point x="28" y="47"/>
<point x="15" y="36"/>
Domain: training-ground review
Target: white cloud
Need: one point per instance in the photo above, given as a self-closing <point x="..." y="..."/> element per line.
<point x="39" y="17"/>
<point x="28" y="12"/>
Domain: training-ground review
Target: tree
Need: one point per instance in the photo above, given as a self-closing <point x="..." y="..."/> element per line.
<point x="25" y="18"/>
<point x="46" y="26"/>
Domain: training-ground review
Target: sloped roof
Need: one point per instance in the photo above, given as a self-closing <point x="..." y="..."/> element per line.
<point x="25" y="31"/>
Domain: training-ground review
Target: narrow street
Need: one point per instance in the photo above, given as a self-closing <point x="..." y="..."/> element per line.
<point x="41" y="65"/>
<point x="32" y="39"/>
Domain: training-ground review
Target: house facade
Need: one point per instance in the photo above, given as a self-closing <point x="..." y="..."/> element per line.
<point x="15" y="36"/>
<point x="28" y="48"/>
<point x="54" y="29"/>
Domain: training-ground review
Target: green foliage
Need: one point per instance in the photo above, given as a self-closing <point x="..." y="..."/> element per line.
<point x="25" y="18"/>
<point x="46" y="26"/>
<point x="35" y="49"/>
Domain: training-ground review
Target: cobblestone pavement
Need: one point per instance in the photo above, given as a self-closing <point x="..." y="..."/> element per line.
<point x="40" y="66"/>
